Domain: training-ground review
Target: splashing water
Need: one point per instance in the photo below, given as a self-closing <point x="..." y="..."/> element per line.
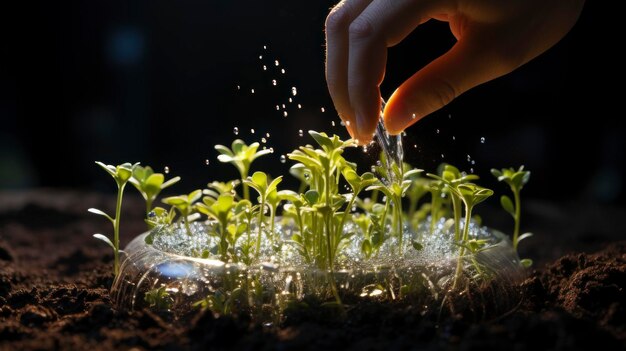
<point x="391" y="145"/>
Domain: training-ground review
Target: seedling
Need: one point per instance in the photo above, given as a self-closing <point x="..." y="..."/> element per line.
<point x="241" y="156"/>
<point x="121" y="174"/>
<point x="158" y="298"/>
<point x="150" y="184"/>
<point x="258" y="182"/>
<point x="184" y="205"/>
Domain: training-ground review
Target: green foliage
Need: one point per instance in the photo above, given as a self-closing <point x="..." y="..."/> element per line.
<point x="241" y="156"/>
<point x="121" y="174"/>
<point x="150" y="184"/>
<point x="185" y="205"/>
<point x="158" y="298"/>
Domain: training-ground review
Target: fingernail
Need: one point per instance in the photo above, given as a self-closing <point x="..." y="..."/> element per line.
<point x="364" y="135"/>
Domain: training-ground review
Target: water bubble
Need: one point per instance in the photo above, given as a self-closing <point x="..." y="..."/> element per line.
<point x="443" y="156"/>
<point x="166" y="169"/>
<point x="263" y="140"/>
<point x="206" y="162"/>
<point x="300" y="132"/>
<point x="437" y="130"/>
<point x="299" y="106"/>
<point x="294" y="91"/>
<point x="323" y="109"/>
<point x="238" y="87"/>
<point x="482" y="140"/>
<point x="272" y="150"/>
<point x="469" y="158"/>
<point x="290" y="100"/>
<point x="252" y="91"/>
<point x="413" y="116"/>
<point x="378" y="163"/>
<point x="449" y="116"/>
<point x="260" y="57"/>
<point x="283" y="159"/>
<point x="151" y="214"/>
<point x="285" y="113"/>
<point x="282" y="71"/>
<point x="473" y="162"/>
<point x="453" y="138"/>
<point x="364" y="148"/>
<point x="276" y="63"/>
<point x="277" y="107"/>
<point x="332" y="123"/>
<point x="264" y="47"/>
<point x="274" y="82"/>
<point x="415" y="146"/>
<point x="267" y="135"/>
<point x="235" y="130"/>
<point x="264" y="67"/>
<point x="252" y="131"/>
<point x="283" y="105"/>
<point x="343" y="124"/>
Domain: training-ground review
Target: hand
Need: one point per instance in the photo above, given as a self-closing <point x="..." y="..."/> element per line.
<point x="494" y="37"/>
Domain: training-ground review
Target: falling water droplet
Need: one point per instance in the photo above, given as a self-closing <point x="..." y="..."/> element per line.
<point x="437" y="130"/>
<point x="276" y="63"/>
<point x="282" y="71"/>
<point x="272" y="150"/>
<point x="332" y="123"/>
<point x="471" y="170"/>
<point x="300" y="132"/>
<point x="473" y="162"/>
<point x="482" y="140"/>
<point x="294" y="91"/>
<point x="290" y="100"/>
<point x="277" y="107"/>
<point x="469" y="158"/>
<point x="274" y="82"/>
<point x="238" y="87"/>
<point x="283" y="159"/>
<point x="236" y="130"/>
<point x="323" y="109"/>
<point x="264" y="47"/>
<point x="373" y="168"/>
<point x="343" y="124"/>
<point x="264" y="67"/>
<point x="442" y="156"/>
<point x="299" y="106"/>
<point x="252" y="91"/>
<point x="267" y="135"/>
<point x="206" y="162"/>
<point x="413" y="116"/>
<point x="263" y="140"/>
<point x="283" y="105"/>
<point x="449" y="116"/>
<point x="347" y="123"/>
<point x="252" y="131"/>
<point x="260" y="57"/>
<point x="415" y="146"/>
<point x="285" y="113"/>
<point x="453" y="138"/>
<point x="166" y="169"/>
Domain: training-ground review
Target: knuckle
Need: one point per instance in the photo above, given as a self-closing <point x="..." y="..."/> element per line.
<point x="337" y="20"/>
<point x="445" y="92"/>
<point x="360" y="28"/>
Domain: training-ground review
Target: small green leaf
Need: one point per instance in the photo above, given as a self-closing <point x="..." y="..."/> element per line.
<point x="260" y="179"/>
<point x="101" y="213"/>
<point x="417" y="246"/>
<point x="312" y="196"/>
<point x="524" y="236"/>
<point x="105" y="239"/>
<point x="366" y="247"/>
<point x="507" y="204"/>
<point x="526" y="262"/>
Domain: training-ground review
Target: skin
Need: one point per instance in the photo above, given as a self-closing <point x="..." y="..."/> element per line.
<point x="494" y="37"/>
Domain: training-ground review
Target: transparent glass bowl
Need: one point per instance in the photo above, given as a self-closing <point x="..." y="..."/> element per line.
<point x="164" y="275"/>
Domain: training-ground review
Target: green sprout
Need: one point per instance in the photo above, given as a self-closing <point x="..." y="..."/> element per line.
<point x="516" y="181"/>
<point x="258" y="181"/>
<point x="150" y="184"/>
<point x="185" y="206"/>
<point x="222" y="211"/>
<point x="122" y="174"/>
<point x="158" y="298"/>
<point x="241" y="156"/>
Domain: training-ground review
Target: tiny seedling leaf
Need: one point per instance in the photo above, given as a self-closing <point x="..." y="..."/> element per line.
<point x="105" y="239"/>
<point x="507" y="204"/>
<point x="101" y="213"/>
<point x="526" y="262"/>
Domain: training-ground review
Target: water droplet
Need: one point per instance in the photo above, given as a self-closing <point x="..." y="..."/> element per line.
<point x="267" y="135"/>
<point x="274" y="82"/>
<point x="151" y="214"/>
<point x="473" y="162"/>
<point x="482" y="140"/>
<point x="299" y="106"/>
<point x="285" y="113"/>
<point x="236" y="130"/>
<point x="264" y="47"/>
<point x="415" y="146"/>
<point x="277" y="107"/>
<point x="294" y="91"/>
<point x="252" y="131"/>
<point x="469" y="158"/>
<point x="343" y="124"/>
<point x="332" y="123"/>
<point x="283" y="105"/>
<point x="437" y="130"/>
<point x="373" y="169"/>
<point x="471" y="170"/>
<point x="403" y="134"/>
<point x="442" y="156"/>
<point x="283" y="159"/>
<point x="282" y="71"/>
<point x="238" y="87"/>
<point x="263" y="140"/>
<point x="271" y="150"/>
<point x="206" y="162"/>
<point x="300" y="132"/>
<point x="413" y="116"/>
<point x="264" y="67"/>
<point x="166" y="169"/>
<point x="260" y="57"/>
<point x="290" y="100"/>
<point x="252" y="91"/>
<point x="453" y="138"/>
<point x="323" y="109"/>
<point x="276" y="63"/>
<point x="378" y="163"/>
<point x="364" y="148"/>
<point x="449" y="116"/>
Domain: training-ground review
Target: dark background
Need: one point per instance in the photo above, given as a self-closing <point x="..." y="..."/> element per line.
<point x="156" y="82"/>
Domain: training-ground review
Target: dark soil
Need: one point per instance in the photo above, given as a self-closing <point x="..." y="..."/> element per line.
<point x="54" y="280"/>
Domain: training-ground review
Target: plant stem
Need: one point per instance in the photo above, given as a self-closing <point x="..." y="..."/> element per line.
<point x="116" y="229"/>
<point x="518" y="212"/>
<point x="459" y="264"/>
<point x="456" y="205"/>
<point x="260" y="224"/>
<point x="148" y="207"/>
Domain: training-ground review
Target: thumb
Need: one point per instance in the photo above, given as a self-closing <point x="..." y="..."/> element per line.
<point x="467" y="64"/>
